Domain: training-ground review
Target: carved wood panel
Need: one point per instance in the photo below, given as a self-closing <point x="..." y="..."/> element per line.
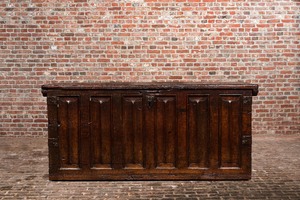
<point x="68" y="131"/>
<point x="165" y="132"/>
<point x="132" y="115"/>
<point x="100" y="131"/>
<point x="198" y="132"/>
<point x="160" y="133"/>
<point x="230" y="126"/>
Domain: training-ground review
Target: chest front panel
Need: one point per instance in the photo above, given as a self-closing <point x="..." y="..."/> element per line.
<point x="140" y="134"/>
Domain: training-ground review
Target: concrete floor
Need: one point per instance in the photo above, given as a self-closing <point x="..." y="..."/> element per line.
<point x="276" y="175"/>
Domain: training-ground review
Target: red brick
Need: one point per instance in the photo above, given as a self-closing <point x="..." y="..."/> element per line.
<point x="185" y="40"/>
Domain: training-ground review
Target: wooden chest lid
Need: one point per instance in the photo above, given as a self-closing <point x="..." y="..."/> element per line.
<point x="151" y="85"/>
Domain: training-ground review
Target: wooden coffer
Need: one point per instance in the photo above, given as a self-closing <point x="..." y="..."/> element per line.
<point x="149" y="131"/>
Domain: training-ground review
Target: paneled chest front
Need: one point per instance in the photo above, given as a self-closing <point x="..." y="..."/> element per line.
<point x="149" y="131"/>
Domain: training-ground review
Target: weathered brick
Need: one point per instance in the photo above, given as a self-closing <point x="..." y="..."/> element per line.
<point x="150" y="40"/>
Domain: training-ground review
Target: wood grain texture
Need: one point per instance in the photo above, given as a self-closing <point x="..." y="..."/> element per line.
<point x="149" y="132"/>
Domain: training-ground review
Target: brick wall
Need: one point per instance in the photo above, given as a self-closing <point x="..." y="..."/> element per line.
<point x="44" y="41"/>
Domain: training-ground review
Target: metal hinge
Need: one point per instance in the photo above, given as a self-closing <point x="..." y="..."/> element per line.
<point x="53" y="142"/>
<point x="53" y="100"/>
<point x="246" y="139"/>
<point x="150" y="101"/>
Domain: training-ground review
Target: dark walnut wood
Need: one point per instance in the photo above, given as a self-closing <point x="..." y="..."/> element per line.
<point x="149" y="131"/>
